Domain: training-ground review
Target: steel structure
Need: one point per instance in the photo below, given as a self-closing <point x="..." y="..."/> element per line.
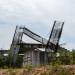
<point x="54" y="38"/>
<point x="50" y="44"/>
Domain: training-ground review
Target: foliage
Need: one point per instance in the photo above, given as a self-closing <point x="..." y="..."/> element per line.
<point x="28" y="67"/>
<point x="58" y="70"/>
<point x="11" y="72"/>
<point x="65" y="57"/>
<point x="73" y="56"/>
<point x="1" y="61"/>
<point x="9" y="60"/>
<point x="19" y="61"/>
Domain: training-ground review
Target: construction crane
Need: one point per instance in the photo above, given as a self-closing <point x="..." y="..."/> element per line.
<point x="50" y="44"/>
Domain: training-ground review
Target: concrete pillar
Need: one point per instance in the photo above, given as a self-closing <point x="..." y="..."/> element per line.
<point x="31" y="58"/>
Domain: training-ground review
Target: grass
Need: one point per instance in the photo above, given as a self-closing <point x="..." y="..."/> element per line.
<point x="47" y="70"/>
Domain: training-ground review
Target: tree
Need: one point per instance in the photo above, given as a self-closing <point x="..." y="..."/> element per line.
<point x="9" y="60"/>
<point x="73" y="57"/>
<point x="19" y="61"/>
<point x="1" y="61"/>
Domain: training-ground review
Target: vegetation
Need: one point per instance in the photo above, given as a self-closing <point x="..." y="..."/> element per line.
<point x="65" y="57"/>
<point x="57" y="65"/>
<point x="1" y="61"/>
<point x="47" y="70"/>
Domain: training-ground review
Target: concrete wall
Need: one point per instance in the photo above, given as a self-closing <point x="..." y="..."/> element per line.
<point x="31" y="58"/>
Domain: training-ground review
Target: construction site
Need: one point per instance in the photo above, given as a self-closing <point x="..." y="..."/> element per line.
<point x="31" y="52"/>
<point x="47" y="57"/>
<point x="37" y="37"/>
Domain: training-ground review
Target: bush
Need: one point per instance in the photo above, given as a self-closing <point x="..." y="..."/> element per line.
<point x="58" y="70"/>
<point x="11" y="72"/>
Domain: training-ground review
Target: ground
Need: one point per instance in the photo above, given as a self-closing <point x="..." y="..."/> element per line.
<point x="47" y="70"/>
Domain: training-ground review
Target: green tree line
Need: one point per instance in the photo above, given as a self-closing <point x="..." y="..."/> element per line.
<point x="66" y="57"/>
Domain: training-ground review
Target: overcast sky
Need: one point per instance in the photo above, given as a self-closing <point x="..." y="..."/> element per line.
<point x="37" y="15"/>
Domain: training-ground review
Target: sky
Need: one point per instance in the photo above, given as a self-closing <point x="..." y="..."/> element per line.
<point x="38" y="16"/>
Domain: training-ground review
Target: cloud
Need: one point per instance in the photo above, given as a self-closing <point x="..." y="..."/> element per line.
<point x="6" y="36"/>
<point x="37" y="15"/>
